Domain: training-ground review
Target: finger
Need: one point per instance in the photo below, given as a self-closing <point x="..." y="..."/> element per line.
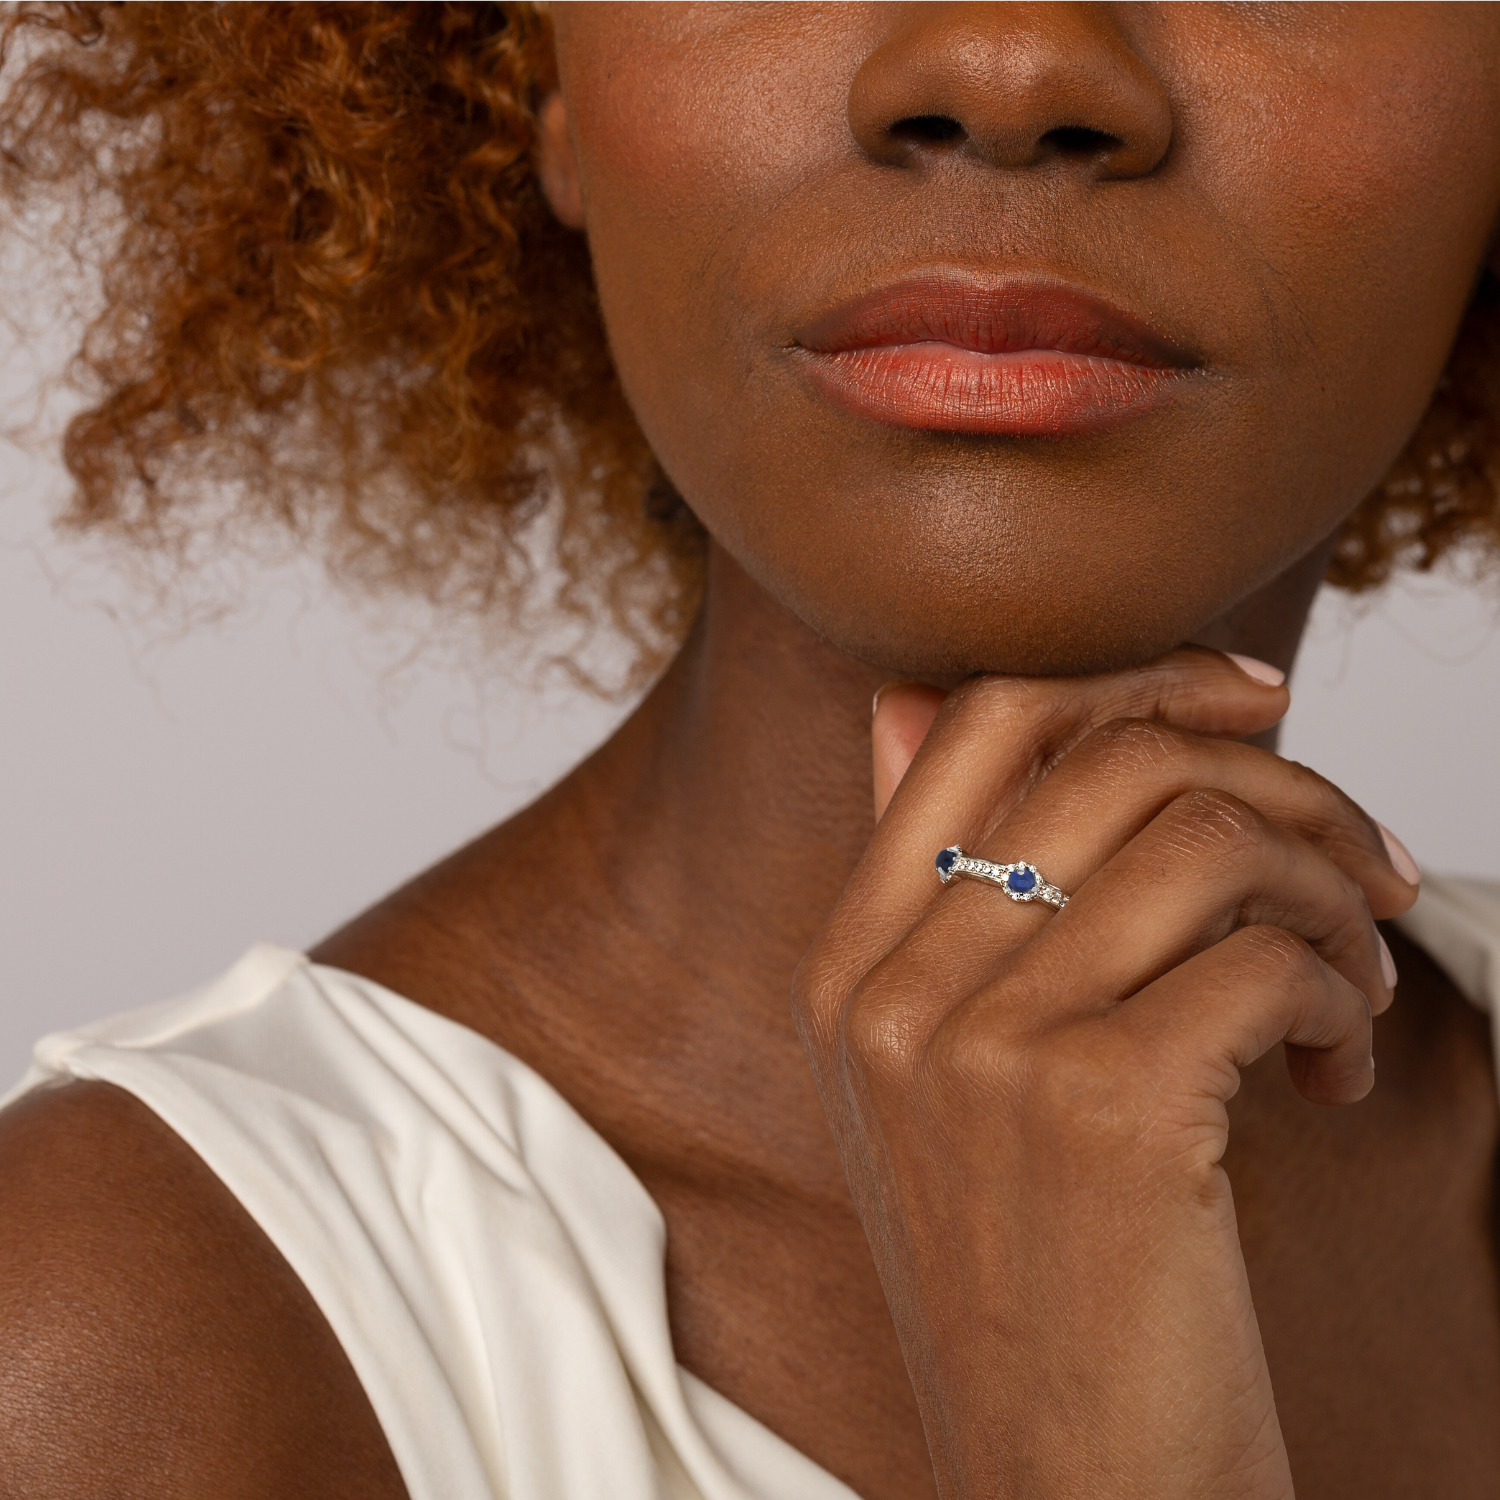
<point x="1122" y="774"/>
<point x="1224" y="1008"/>
<point x="1205" y="866"/>
<point x="989" y="744"/>
<point x="902" y="715"/>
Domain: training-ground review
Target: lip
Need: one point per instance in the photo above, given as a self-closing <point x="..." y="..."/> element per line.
<point x="1010" y="358"/>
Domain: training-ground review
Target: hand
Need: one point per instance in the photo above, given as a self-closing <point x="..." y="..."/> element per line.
<point x="1030" y="1106"/>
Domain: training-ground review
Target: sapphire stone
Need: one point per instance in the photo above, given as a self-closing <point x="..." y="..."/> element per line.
<point x="946" y="861"/>
<point x="1020" y="881"/>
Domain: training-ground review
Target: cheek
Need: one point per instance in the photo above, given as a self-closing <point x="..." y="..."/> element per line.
<point x="681" y="125"/>
<point x="692" y="126"/>
<point x="1366" y="184"/>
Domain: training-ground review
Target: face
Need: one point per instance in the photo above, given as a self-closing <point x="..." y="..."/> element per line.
<point x="1024" y="337"/>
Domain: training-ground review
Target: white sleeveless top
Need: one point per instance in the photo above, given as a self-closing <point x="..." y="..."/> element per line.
<point x="492" y="1268"/>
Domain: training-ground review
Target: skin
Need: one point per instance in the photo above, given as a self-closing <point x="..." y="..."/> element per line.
<point x="1006" y="1202"/>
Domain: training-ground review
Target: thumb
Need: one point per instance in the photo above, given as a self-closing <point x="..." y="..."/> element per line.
<point x="904" y="712"/>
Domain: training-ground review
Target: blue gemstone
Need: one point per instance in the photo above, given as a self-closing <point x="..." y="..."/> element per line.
<point x="946" y="861"/>
<point x="1020" y="881"/>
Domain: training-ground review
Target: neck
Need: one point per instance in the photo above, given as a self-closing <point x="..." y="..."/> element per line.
<point x="728" y="814"/>
<point x="696" y="856"/>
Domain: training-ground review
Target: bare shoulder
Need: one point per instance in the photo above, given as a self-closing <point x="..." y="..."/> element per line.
<point x="152" y="1339"/>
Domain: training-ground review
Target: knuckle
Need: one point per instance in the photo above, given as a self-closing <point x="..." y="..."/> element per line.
<point x="1318" y="789"/>
<point x="878" y="1029"/>
<point x="1328" y="817"/>
<point x="810" y="986"/>
<point x="1143" y="744"/>
<point x="1130" y="753"/>
<point x="1314" y="787"/>
<point x="1218" y="822"/>
<point x="1023" y="709"/>
<point x="820" y="987"/>
<point x="1080" y="1089"/>
<point x="1274" y="955"/>
<point x="1065" y="1085"/>
<point x="971" y="1053"/>
<point x="1002" y="698"/>
<point x="1352" y="906"/>
<point x="1330" y="811"/>
<point x="1070" y="1080"/>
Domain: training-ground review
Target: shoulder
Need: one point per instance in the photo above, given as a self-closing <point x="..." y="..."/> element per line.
<point x="152" y="1339"/>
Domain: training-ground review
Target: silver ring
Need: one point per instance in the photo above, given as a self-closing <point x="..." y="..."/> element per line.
<point x="1021" y="881"/>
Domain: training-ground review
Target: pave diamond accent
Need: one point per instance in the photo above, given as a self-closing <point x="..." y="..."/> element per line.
<point x="1021" y="881"/>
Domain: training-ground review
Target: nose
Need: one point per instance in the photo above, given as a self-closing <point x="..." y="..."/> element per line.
<point x="1017" y="86"/>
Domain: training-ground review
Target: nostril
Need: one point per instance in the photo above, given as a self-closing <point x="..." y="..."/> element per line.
<point x="1079" y="140"/>
<point x="927" y="129"/>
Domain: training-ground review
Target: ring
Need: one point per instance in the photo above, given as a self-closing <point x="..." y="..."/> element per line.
<point x="1021" y="881"/>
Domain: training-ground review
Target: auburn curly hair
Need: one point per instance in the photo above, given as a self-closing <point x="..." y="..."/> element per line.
<point x="333" y="293"/>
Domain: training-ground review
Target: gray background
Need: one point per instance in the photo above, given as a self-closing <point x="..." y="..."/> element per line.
<point x="168" y="799"/>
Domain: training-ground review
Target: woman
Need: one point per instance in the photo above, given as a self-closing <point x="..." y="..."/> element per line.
<point x="1027" y="367"/>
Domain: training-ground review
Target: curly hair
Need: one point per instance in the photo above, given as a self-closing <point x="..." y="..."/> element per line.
<point x="333" y="293"/>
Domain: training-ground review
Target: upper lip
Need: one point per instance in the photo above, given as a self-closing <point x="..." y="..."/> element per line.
<point x="993" y="317"/>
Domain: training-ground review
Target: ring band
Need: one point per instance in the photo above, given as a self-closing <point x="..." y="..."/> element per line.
<point x="1021" y="881"/>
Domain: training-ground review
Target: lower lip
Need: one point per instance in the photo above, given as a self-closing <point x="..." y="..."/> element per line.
<point x="939" y="387"/>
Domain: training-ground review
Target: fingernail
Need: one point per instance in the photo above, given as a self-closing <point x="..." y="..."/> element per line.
<point x="1261" y="671"/>
<point x="883" y="689"/>
<point x="1387" y="965"/>
<point x="1400" y="856"/>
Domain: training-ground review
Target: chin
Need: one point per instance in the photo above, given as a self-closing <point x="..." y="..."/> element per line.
<point x="1035" y="643"/>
